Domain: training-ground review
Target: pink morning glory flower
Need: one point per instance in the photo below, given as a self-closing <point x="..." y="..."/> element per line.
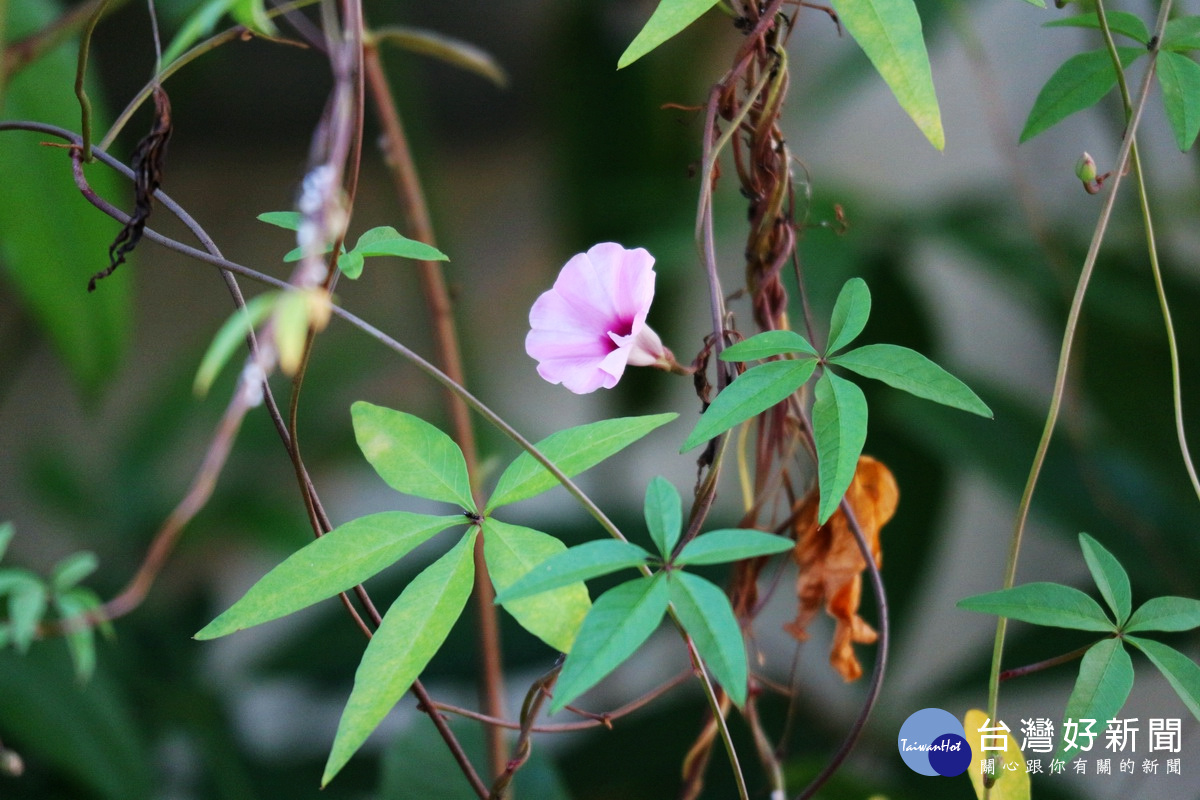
<point x="586" y="329"/>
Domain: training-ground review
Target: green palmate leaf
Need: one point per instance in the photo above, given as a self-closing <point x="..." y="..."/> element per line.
<point x="671" y="17"/>
<point x="850" y="313"/>
<point x="6" y="534"/>
<point x="839" y="418"/>
<point x="889" y="32"/>
<point x="620" y="620"/>
<point x="1179" y="78"/>
<point x="71" y="570"/>
<point x="282" y="219"/>
<point x="81" y="638"/>
<point x="511" y="552"/>
<point x="767" y="344"/>
<point x="1182" y="34"/>
<point x="664" y="515"/>
<point x="584" y="561"/>
<point x="339" y="560"/>
<point x="351" y="264"/>
<point x="413" y="629"/>
<point x="1104" y="682"/>
<point x="731" y="544"/>
<point x="755" y="390"/>
<point x="26" y="605"/>
<point x="573" y="451"/>
<point x="1078" y="84"/>
<point x="1121" y="22"/>
<point x="1042" y="604"/>
<point x="411" y="455"/>
<point x="1165" y="614"/>
<point x="1179" y="670"/>
<point x="706" y="615"/>
<point x="908" y="370"/>
<point x="231" y="335"/>
<point x="387" y="241"/>
<point x="1109" y="576"/>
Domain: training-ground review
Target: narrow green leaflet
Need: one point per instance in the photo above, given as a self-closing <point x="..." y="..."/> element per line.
<point x="1110" y="577"/>
<point x="411" y="455"/>
<point x="289" y="220"/>
<point x="1182" y="34"/>
<point x="839" y="418"/>
<point x="387" y="241"/>
<point x="755" y="390"/>
<point x="708" y="618"/>
<point x="584" y="561"/>
<point x="71" y="570"/>
<point x="1179" y="78"/>
<point x="413" y="629"/>
<point x="26" y="605"/>
<point x="1179" y="670"/>
<point x="6" y="534"/>
<point x="767" y="344"/>
<point x="511" y="552"/>
<point x="201" y="23"/>
<point x="850" y="313"/>
<point x="1165" y="614"/>
<point x="1104" y="682"/>
<point x="909" y="371"/>
<point x="339" y="560"/>
<point x="204" y="19"/>
<point x="453" y="51"/>
<point x="351" y="264"/>
<point x="231" y="335"/>
<point x="252" y="14"/>
<point x="1121" y="22"/>
<point x="671" y="17"/>
<point x="731" y="544"/>
<point x="620" y="620"/>
<point x="81" y="639"/>
<point x="1043" y="604"/>
<point x="889" y="32"/>
<point x="664" y="515"/>
<point x="572" y="451"/>
<point x="1079" y="83"/>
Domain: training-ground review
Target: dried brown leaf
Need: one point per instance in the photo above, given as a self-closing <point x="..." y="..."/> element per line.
<point x="148" y="160"/>
<point x="831" y="563"/>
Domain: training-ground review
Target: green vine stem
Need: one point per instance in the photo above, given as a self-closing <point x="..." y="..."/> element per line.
<point x="85" y="104"/>
<point x="1060" y="378"/>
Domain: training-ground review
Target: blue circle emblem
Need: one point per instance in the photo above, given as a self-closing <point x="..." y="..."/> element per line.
<point x="933" y="742"/>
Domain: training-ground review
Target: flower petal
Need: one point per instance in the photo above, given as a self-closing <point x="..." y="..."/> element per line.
<point x="592" y="323"/>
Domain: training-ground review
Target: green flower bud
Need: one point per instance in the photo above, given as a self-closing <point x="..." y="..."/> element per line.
<point x="1085" y="169"/>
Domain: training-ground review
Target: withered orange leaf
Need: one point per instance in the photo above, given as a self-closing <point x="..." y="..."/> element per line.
<point x="831" y="563"/>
